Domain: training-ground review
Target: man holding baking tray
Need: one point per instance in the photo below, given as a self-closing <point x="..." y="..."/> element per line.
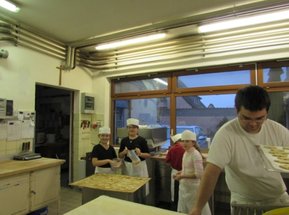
<point x="234" y="150"/>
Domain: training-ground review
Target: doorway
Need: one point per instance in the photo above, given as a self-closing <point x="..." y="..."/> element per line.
<point x="53" y="126"/>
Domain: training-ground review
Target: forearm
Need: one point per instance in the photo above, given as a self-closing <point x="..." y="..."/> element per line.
<point x="121" y="154"/>
<point x="144" y="155"/>
<point x="188" y="176"/>
<point x="96" y="162"/>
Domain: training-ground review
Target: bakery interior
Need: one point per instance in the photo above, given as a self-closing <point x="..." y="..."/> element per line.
<point x="57" y="89"/>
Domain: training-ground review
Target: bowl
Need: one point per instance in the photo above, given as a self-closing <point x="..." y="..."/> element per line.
<point x="116" y="163"/>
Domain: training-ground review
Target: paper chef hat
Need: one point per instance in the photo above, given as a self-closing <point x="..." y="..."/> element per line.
<point x="176" y="137"/>
<point x="104" y="130"/>
<point x="189" y="135"/>
<point x="132" y="121"/>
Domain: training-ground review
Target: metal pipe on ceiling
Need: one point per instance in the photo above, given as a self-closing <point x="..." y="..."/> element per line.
<point x="20" y="36"/>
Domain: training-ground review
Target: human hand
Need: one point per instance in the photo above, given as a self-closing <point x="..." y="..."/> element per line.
<point x="125" y="151"/>
<point x="138" y="151"/>
<point x="177" y="176"/>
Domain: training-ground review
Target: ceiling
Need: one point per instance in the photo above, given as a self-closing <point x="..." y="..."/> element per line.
<point x="75" y="21"/>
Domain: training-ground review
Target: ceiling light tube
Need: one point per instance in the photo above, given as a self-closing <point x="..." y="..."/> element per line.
<point x="131" y="41"/>
<point x="9" y="6"/>
<point x="161" y="81"/>
<point x="245" y="21"/>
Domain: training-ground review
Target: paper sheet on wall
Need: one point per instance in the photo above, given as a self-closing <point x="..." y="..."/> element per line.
<point x="3" y="131"/>
<point x="13" y="130"/>
<point x="27" y="129"/>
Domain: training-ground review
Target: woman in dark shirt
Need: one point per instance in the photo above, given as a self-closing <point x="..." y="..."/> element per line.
<point x="103" y="153"/>
<point x="134" y="149"/>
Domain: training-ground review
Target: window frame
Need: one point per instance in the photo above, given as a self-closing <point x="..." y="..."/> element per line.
<point x="256" y="77"/>
<point x="271" y="86"/>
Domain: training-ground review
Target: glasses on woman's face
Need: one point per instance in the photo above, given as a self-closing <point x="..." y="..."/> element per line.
<point x="257" y="120"/>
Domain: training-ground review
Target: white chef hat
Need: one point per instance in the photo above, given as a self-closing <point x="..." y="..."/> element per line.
<point x="176" y="137"/>
<point x="189" y="135"/>
<point x="132" y="121"/>
<point x="104" y="130"/>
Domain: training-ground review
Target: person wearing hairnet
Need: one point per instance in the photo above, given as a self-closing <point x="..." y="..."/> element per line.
<point x="174" y="157"/>
<point x="134" y="149"/>
<point x="190" y="175"/>
<point x="103" y="153"/>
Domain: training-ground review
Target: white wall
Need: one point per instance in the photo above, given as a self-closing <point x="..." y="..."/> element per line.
<point x="19" y="74"/>
<point x="24" y="68"/>
<point x="101" y="88"/>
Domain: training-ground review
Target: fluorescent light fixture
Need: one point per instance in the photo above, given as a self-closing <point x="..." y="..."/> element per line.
<point x="9" y="6"/>
<point x="245" y="21"/>
<point x="131" y="41"/>
<point x="161" y="81"/>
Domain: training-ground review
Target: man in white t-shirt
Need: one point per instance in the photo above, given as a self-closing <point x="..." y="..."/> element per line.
<point x="234" y="150"/>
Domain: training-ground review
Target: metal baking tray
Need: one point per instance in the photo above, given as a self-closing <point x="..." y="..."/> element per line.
<point x="275" y="158"/>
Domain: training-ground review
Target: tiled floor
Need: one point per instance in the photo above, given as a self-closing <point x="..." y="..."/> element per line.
<point x="69" y="199"/>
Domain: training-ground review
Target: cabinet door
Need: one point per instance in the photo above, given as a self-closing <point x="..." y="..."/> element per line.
<point x="14" y="195"/>
<point x="45" y="187"/>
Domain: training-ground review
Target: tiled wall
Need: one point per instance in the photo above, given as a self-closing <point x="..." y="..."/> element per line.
<point x="83" y="141"/>
<point x="10" y="148"/>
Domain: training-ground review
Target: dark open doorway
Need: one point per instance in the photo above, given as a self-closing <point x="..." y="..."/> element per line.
<point x="53" y="126"/>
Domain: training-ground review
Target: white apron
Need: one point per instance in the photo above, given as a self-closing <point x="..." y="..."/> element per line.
<point x="240" y="205"/>
<point x="174" y="171"/>
<point x="187" y="196"/>
<point x="139" y="169"/>
<point x="103" y="170"/>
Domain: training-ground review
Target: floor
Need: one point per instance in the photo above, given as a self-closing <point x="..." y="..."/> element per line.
<point x="70" y="198"/>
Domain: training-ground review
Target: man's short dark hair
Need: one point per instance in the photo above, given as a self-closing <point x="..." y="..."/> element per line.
<point x="252" y="98"/>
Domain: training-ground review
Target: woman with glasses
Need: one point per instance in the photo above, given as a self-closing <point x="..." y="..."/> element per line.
<point x="234" y="150"/>
<point x="134" y="149"/>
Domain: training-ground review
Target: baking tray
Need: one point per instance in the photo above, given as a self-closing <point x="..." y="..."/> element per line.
<point x="275" y="158"/>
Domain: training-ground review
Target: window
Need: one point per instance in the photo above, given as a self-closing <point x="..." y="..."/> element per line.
<point x="279" y="110"/>
<point x="141" y="85"/>
<point x="200" y="100"/>
<point x="276" y="74"/>
<point x="204" y="114"/>
<point x="153" y="114"/>
<point x="215" y="79"/>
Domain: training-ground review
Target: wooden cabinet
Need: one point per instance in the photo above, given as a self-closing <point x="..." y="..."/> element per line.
<point x="14" y="195"/>
<point x="26" y="186"/>
<point x="44" y="187"/>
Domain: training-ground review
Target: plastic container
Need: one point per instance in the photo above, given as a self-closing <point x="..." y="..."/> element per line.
<point x="134" y="158"/>
<point x="279" y="211"/>
<point x="116" y="163"/>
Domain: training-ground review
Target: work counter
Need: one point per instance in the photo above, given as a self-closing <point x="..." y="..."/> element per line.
<point x="105" y="205"/>
<point x="15" y="167"/>
<point x="114" y="185"/>
<point x="26" y="186"/>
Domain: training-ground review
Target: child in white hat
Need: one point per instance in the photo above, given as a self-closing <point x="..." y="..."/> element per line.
<point x="103" y="154"/>
<point x="190" y="175"/>
<point x="134" y="149"/>
<point x="174" y="157"/>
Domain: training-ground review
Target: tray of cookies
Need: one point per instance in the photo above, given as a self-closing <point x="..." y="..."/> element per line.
<point x="276" y="158"/>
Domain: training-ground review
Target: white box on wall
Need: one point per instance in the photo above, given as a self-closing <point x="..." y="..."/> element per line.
<point x="87" y="103"/>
